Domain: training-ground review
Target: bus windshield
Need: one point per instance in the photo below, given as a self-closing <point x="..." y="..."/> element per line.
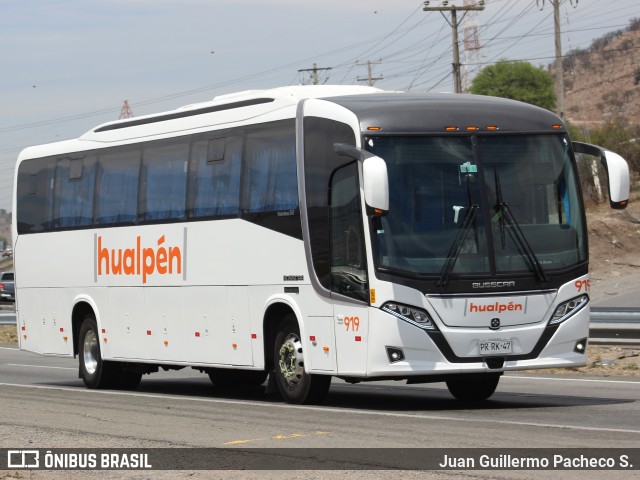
<point x="479" y="205"/>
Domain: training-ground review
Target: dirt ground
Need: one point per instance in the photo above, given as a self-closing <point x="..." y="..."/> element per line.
<point x="614" y="256"/>
<point x="614" y="241"/>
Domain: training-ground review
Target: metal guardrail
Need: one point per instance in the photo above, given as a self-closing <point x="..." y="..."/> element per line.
<point x="612" y="326"/>
<point x="619" y="325"/>
<point x="7" y="318"/>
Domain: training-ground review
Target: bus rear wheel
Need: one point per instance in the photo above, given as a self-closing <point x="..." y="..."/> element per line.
<point x="474" y="389"/>
<point x="295" y="385"/>
<point x="96" y="372"/>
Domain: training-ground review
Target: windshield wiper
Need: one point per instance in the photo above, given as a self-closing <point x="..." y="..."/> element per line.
<point x="458" y="242"/>
<point x="504" y="214"/>
<point x="454" y="252"/>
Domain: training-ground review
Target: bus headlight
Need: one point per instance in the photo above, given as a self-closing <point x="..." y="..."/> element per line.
<point x="568" y="308"/>
<point x="413" y="315"/>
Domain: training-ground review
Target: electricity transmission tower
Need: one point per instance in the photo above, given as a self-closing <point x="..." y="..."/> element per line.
<point x="125" y="111"/>
<point x="471" y="56"/>
<point x="457" y="77"/>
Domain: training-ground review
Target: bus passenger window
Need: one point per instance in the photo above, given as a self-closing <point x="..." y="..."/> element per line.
<point x="74" y="185"/>
<point x="34" y="195"/>
<point x="270" y="179"/>
<point x="117" y="186"/>
<point x="214" y="177"/>
<point x="164" y="181"/>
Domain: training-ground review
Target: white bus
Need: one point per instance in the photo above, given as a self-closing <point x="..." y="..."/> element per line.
<point x="307" y="233"/>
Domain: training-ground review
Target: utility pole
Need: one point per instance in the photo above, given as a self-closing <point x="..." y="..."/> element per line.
<point x="314" y="73"/>
<point x="457" y="77"/>
<point x="559" y="66"/>
<point x="370" y="80"/>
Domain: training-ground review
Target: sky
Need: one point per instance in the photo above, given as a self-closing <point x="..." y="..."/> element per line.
<point x="68" y="65"/>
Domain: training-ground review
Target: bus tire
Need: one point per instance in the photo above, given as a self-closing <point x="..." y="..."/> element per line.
<point x="129" y="380"/>
<point x="232" y="378"/>
<point x="474" y="389"/>
<point x="95" y="372"/>
<point x="295" y="385"/>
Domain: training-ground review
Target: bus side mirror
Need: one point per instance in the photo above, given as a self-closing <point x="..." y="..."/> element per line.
<point x="374" y="176"/>
<point x="376" y="184"/>
<point x="617" y="172"/>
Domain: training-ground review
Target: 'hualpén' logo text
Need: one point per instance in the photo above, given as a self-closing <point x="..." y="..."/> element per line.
<point x="496" y="307"/>
<point x="139" y="260"/>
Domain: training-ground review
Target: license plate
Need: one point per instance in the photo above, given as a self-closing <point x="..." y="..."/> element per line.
<point x="495" y="347"/>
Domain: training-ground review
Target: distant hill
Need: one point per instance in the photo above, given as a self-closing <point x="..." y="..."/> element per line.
<point x="603" y="81"/>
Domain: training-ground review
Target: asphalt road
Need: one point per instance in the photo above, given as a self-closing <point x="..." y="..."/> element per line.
<point x="47" y="406"/>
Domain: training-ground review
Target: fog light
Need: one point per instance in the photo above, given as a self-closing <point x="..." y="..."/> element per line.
<point x="395" y="354"/>
<point x="581" y="346"/>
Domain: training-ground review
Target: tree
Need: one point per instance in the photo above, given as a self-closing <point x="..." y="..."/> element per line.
<point x="516" y="80"/>
<point x="617" y="135"/>
<point x="620" y="136"/>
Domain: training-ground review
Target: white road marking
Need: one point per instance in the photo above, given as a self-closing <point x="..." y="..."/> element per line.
<point x="569" y="379"/>
<point x="38" y="366"/>
<point x="333" y="410"/>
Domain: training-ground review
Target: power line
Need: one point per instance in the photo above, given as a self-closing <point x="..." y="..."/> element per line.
<point x="454" y="30"/>
<point x="314" y="73"/>
<point x="389" y="35"/>
<point x="370" y="79"/>
<point x="395" y="35"/>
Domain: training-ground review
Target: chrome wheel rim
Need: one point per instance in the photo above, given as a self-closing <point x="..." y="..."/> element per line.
<point x="291" y="361"/>
<point x="90" y="352"/>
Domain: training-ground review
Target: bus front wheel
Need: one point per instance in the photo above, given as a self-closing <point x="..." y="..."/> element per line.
<point x="296" y="385"/>
<point x="474" y="389"/>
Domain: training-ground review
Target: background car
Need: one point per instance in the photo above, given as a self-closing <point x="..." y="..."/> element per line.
<point x="7" y="287"/>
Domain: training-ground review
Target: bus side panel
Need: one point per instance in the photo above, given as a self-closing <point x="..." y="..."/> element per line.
<point x="165" y="330"/>
<point x="238" y="328"/>
<point x="314" y="316"/>
<point x="30" y="323"/>
<point x="181" y="324"/>
<point x="205" y="319"/>
<point x="128" y="331"/>
<point x="44" y="322"/>
<point x="352" y="337"/>
<point x="57" y="318"/>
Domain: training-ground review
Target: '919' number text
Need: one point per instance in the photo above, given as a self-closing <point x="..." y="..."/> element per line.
<point x="352" y="323"/>
<point x="583" y="285"/>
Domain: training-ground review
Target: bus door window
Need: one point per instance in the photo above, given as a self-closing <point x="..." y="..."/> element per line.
<point x="348" y="257"/>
